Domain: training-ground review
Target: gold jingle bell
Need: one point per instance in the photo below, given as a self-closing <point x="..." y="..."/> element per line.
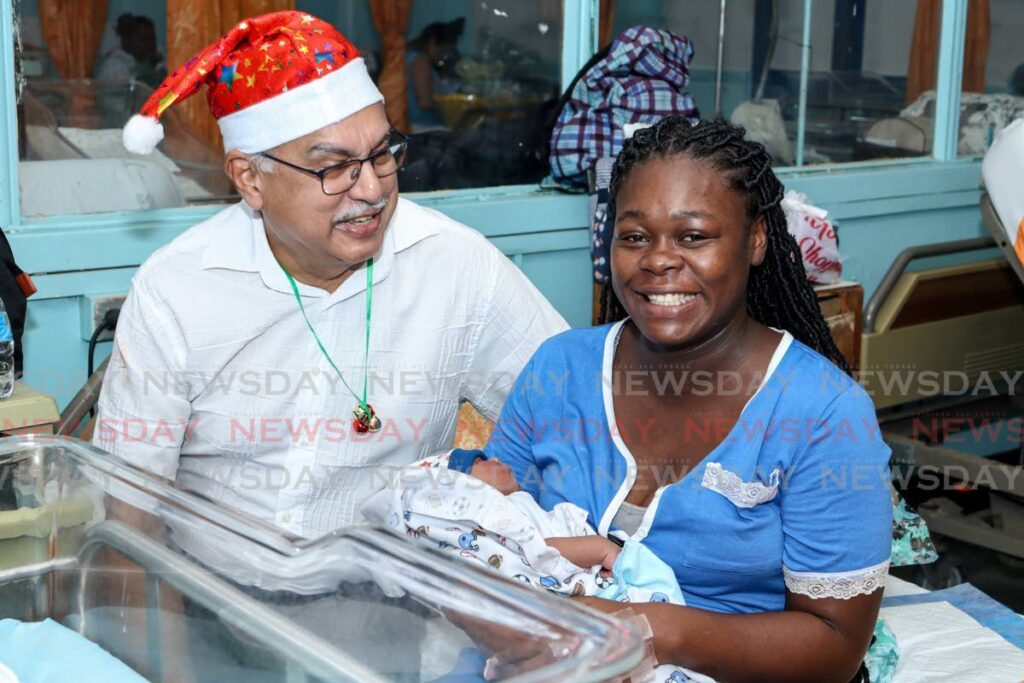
<point x="366" y="420"/>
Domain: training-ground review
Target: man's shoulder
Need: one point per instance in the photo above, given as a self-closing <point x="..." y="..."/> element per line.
<point x="183" y="256"/>
<point x="444" y="231"/>
<point x="456" y="256"/>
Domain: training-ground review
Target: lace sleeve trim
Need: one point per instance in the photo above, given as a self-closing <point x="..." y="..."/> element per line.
<point x="841" y="585"/>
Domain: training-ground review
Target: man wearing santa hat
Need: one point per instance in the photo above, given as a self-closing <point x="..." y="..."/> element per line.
<point x="283" y="354"/>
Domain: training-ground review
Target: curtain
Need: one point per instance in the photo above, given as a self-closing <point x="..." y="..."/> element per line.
<point x="607" y="20"/>
<point x="191" y="26"/>
<point x="979" y="34"/>
<point x="924" y="57"/>
<point x="391" y="18"/>
<point x="73" y="30"/>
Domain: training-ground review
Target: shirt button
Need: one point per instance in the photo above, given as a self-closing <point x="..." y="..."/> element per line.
<point x="286" y="518"/>
<point x="305" y="443"/>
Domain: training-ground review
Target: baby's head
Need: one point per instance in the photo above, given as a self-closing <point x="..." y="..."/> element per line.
<point x="495" y="473"/>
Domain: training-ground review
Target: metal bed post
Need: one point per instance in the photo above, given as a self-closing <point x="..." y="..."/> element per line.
<point x="153" y="601"/>
<point x="904" y="258"/>
<point x="805" y="68"/>
<point x="721" y="59"/>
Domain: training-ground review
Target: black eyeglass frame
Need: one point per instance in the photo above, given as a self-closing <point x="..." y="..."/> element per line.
<point x="395" y="139"/>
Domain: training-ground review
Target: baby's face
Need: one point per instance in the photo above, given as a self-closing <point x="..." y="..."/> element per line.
<point x="496" y="474"/>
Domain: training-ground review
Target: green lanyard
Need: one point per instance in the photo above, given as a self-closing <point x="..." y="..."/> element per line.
<point x="366" y="352"/>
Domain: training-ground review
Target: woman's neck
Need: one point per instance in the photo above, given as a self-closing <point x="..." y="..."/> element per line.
<point x="727" y="349"/>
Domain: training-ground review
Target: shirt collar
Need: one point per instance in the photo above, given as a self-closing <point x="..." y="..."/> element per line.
<point x="241" y="244"/>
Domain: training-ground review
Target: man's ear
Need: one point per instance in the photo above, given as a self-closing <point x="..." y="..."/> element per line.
<point x="758" y="241"/>
<point x="244" y="177"/>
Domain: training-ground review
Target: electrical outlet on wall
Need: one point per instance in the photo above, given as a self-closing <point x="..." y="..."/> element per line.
<point x="93" y="308"/>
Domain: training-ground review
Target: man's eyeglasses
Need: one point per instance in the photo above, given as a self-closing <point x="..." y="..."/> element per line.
<point x="339" y="178"/>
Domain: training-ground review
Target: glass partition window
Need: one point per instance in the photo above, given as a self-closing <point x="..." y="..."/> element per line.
<point x="80" y="74"/>
<point x="993" y="83"/>
<point x="859" y="58"/>
<point x="481" y="79"/>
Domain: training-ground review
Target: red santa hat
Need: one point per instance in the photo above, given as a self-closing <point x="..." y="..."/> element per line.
<point x="270" y="79"/>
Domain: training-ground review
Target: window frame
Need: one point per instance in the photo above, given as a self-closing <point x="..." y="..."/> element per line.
<point x="952" y="33"/>
<point x="579" y="42"/>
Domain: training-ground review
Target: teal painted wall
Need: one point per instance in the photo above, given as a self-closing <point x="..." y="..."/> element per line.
<point x="880" y="212"/>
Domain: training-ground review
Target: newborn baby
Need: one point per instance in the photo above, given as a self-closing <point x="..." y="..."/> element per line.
<point x="471" y="506"/>
<point x="583" y="551"/>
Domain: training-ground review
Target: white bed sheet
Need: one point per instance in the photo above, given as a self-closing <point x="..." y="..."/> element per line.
<point x="939" y="643"/>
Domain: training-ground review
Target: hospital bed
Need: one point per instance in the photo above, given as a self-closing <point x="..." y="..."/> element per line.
<point x="959" y="325"/>
<point x="72" y="160"/>
<point x="953" y="635"/>
<point x="957" y="449"/>
<point x="119" y="562"/>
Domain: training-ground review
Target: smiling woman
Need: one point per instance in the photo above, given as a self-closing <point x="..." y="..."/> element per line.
<point x="682" y="270"/>
<point x="744" y="194"/>
<point x="781" y="568"/>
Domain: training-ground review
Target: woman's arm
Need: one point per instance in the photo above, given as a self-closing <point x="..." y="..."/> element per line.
<point x="836" y="514"/>
<point x="814" y="639"/>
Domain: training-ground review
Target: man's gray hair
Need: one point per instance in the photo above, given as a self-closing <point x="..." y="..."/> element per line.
<point x="262" y="162"/>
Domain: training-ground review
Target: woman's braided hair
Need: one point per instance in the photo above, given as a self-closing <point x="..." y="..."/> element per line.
<point x="778" y="294"/>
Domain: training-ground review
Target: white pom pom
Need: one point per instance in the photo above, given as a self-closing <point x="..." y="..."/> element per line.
<point x="142" y="134"/>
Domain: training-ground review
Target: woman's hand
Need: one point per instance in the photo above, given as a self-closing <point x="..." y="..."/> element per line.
<point x="587" y="551"/>
<point x="512" y="652"/>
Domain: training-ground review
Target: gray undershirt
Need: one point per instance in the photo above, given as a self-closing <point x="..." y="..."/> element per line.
<point x="629" y="517"/>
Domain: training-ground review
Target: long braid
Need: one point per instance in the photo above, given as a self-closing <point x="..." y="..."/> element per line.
<point x="611" y="309"/>
<point x="778" y="294"/>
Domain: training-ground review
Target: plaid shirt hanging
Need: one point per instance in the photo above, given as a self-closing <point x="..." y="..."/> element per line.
<point x="642" y="79"/>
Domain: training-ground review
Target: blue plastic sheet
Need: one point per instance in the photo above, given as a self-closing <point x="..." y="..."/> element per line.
<point x="46" y="652"/>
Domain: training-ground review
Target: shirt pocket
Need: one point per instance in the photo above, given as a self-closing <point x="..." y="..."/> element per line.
<point x="742" y="494"/>
<point x="737" y="527"/>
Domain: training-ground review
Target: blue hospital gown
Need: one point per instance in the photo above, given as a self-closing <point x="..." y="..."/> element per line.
<point x="797" y="495"/>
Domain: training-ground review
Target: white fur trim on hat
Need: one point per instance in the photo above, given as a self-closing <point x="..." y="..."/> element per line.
<point x="142" y="134"/>
<point x="300" y="111"/>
